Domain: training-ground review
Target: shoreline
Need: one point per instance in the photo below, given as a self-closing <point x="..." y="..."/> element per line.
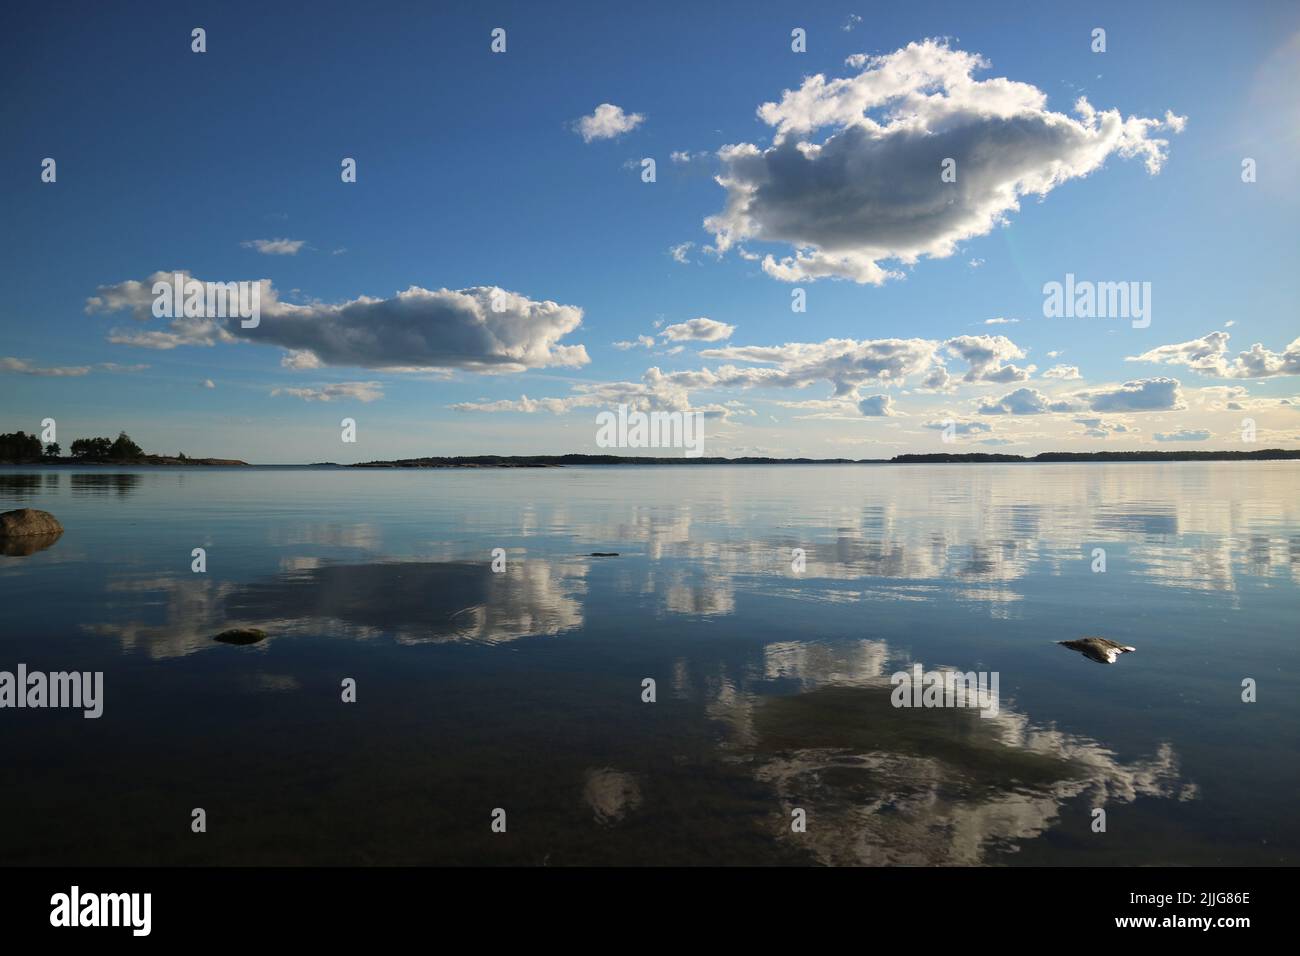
<point x="560" y="461"/>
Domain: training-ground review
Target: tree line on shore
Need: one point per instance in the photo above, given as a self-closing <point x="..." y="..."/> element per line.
<point x="20" y="446"/>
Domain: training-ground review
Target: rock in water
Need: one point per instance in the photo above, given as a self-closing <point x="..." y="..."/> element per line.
<point x="1099" y="649"/>
<point x="241" y="636"/>
<point x="27" y="531"/>
<point x="28" y="521"/>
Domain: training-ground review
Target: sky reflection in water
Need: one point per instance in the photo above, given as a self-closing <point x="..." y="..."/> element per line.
<point x="522" y="689"/>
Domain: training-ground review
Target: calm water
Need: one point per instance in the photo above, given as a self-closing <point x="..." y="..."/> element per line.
<point x="523" y="690"/>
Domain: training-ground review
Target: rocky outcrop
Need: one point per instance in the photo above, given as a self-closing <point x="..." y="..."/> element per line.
<point x="28" y="521"/>
<point x="26" y="531"/>
<point x="241" y="636"/>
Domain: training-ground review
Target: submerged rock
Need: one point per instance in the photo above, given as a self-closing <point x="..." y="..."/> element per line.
<point x="1099" y="649"/>
<point x="611" y="794"/>
<point x="28" y="521"/>
<point x="241" y="636"/>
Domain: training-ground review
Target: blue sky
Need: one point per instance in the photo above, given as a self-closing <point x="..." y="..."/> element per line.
<point x="472" y="174"/>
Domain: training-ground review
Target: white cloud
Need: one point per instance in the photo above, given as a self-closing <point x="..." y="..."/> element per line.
<point x="869" y="197"/>
<point x="683" y="156"/>
<point x="876" y="406"/>
<point x="1143" y="395"/>
<point x="1064" y="372"/>
<point x="680" y="253"/>
<point x="484" y="329"/>
<point x="275" y="247"/>
<point x="989" y="358"/>
<point x="1001" y="321"/>
<point x="655" y="392"/>
<point x="301" y="359"/>
<point x="698" y="330"/>
<point x="642" y="341"/>
<point x="1102" y="427"/>
<point x="1024" y="401"/>
<point x="1187" y="434"/>
<point x="607" y="122"/>
<point x="959" y="427"/>
<point x="25" y="367"/>
<point x="1209" y="356"/>
<point x="845" y="363"/>
<point x="338" y="391"/>
<point x="21" y="366"/>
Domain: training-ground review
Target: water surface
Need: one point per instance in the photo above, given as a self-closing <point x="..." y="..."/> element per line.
<point x="522" y="690"/>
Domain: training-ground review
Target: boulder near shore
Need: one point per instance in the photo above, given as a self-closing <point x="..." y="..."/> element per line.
<point x="27" y="531"/>
<point x="28" y="521"/>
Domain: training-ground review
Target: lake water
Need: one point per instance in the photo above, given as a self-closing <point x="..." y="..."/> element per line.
<point x="523" y="690"/>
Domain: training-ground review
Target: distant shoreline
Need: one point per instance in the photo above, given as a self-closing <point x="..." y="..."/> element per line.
<point x="554" y="461"/>
<point x="560" y="461"/>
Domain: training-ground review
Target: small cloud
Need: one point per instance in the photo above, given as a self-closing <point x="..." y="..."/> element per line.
<point x="680" y="253"/>
<point x="25" y="367"/>
<point x="124" y="369"/>
<point x="959" y="427"/>
<point x="208" y="383"/>
<point x="975" y="263"/>
<point x="1187" y="434"/>
<point x="642" y="342"/>
<point x="1001" y="321"/>
<point x="851" y="22"/>
<point x="275" y="247"/>
<point x="300" y="359"/>
<point x="339" y="391"/>
<point x="698" y="330"/>
<point x="877" y="406"/>
<point x="607" y="122"/>
<point x="1064" y="372"/>
<point x="683" y="156"/>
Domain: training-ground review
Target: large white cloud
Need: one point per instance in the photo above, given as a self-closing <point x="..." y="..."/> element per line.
<point x="481" y="329"/>
<point x="1143" y="395"/>
<point x="870" y="196"/>
<point x="1024" y="401"/>
<point x="989" y="357"/>
<point x="1209" y="356"/>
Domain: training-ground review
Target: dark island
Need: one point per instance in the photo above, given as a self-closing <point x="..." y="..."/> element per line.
<point x="20" y="448"/>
